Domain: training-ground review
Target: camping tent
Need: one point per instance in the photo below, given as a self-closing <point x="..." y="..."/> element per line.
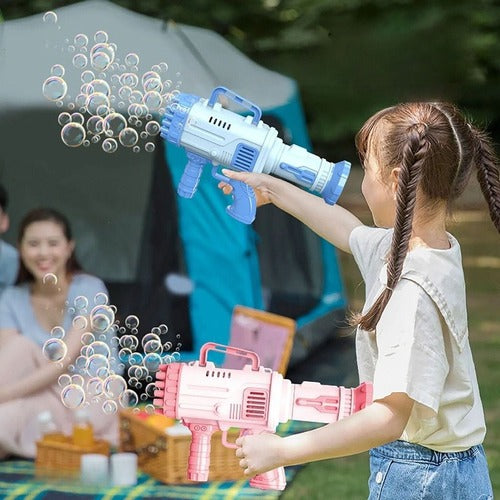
<point x="131" y="228"/>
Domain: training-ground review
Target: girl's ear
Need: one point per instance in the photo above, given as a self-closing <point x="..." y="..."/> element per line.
<point x="394" y="180"/>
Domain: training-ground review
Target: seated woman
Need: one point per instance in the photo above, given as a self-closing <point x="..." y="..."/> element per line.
<point x="49" y="280"/>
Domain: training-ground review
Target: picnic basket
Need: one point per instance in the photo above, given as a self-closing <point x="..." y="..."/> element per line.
<point x="59" y="457"/>
<point x="163" y="454"/>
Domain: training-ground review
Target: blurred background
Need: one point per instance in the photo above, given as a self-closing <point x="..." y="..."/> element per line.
<point x="350" y="57"/>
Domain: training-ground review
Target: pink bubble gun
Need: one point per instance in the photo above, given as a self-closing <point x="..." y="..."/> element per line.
<point x="255" y="399"/>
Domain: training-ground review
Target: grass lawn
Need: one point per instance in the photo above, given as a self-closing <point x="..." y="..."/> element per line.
<point x="346" y="479"/>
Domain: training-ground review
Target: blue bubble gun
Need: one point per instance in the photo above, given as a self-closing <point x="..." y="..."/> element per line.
<point x="210" y="133"/>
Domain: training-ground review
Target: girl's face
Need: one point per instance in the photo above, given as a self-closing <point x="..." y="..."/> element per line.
<point x="45" y="249"/>
<point x="378" y="193"/>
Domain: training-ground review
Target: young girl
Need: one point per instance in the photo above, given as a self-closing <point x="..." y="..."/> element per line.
<point x="28" y="312"/>
<point x="425" y="427"/>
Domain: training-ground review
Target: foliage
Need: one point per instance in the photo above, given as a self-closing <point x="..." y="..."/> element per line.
<point x="351" y="57"/>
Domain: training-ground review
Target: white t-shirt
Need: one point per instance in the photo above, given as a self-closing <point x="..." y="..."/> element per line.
<point x="421" y="345"/>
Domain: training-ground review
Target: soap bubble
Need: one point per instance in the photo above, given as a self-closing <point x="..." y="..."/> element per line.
<point x="125" y="92"/>
<point x="152" y="128"/>
<point x="87" y="338"/>
<point x="95" y="125"/>
<point x="124" y="354"/>
<point x="94" y="100"/>
<point x="109" y="407"/>
<point x="148" y="75"/>
<point x="50" y="17"/>
<point x="153" y="346"/>
<point x="152" y="361"/>
<point x="77" y="380"/>
<point x="72" y="396"/>
<point x="100" y="86"/>
<point x="129" y="342"/>
<point x="97" y="364"/>
<point x="57" y="70"/>
<point x="77" y="118"/>
<point x="131" y="321"/>
<point x="109" y="145"/>
<point x="80" y="322"/>
<point x="151" y="337"/>
<point x="54" y="350"/>
<point x="149" y="147"/>
<point x="132" y="59"/>
<point x="73" y="134"/>
<point x="101" y="37"/>
<point x="150" y="390"/>
<point x="135" y="97"/>
<point x="54" y="88"/>
<point x="81" y="40"/>
<point x="114" y="386"/>
<point x="128" y="399"/>
<point x="114" y="123"/>
<point x="58" y="332"/>
<point x="49" y="279"/>
<point x="94" y="386"/>
<point x="153" y="84"/>
<point x="135" y="359"/>
<point x="101" y="299"/>
<point x="87" y="76"/>
<point x="163" y="66"/>
<point x="102" y="318"/>
<point x="101" y="56"/>
<point x="80" y="61"/>
<point x="128" y="137"/>
<point x="136" y="149"/>
<point x="64" y="380"/>
<point x="152" y="100"/>
<point x="129" y="80"/>
<point x="81" y="302"/>
<point x="101" y="348"/>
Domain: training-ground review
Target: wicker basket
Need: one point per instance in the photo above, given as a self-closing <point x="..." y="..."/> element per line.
<point x="59" y="457"/>
<point x="165" y="457"/>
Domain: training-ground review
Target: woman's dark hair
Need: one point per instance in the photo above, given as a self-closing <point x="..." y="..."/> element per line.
<point x="436" y="149"/>
<point x="42" y="215"/>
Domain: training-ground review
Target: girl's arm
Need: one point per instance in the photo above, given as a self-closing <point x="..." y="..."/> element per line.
<point x="381" y="422"/>
<point x="47" y="374"/>
<point x="333" y="223"/>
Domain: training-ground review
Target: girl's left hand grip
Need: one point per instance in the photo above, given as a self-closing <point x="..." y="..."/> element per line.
<point x="191" y="175"/>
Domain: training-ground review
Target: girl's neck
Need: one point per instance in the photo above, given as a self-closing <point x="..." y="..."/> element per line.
<point x="429" y="234"/>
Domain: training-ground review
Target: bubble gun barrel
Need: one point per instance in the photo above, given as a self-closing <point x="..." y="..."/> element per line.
<point x="212" y="134"/>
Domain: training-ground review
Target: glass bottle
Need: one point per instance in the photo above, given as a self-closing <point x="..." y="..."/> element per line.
<point x="83" y="433"/>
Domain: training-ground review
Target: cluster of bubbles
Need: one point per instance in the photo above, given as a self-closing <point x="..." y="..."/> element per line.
<point x="107" y="350"/>
<point x="114" y="106"/>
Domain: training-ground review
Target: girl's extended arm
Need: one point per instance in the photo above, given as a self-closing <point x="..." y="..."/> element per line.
<point x="381" y="422"/>
<point x="332" y="223"/>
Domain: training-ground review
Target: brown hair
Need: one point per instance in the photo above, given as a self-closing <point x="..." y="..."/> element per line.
<point x="42" y="215"/>
<point x="436" y="150"/>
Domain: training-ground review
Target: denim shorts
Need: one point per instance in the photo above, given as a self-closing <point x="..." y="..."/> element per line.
<point x="406" y="471"/>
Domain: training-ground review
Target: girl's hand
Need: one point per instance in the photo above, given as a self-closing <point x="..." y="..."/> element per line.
<point x="259" y="183"/>
<point x="259" y="453"/>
